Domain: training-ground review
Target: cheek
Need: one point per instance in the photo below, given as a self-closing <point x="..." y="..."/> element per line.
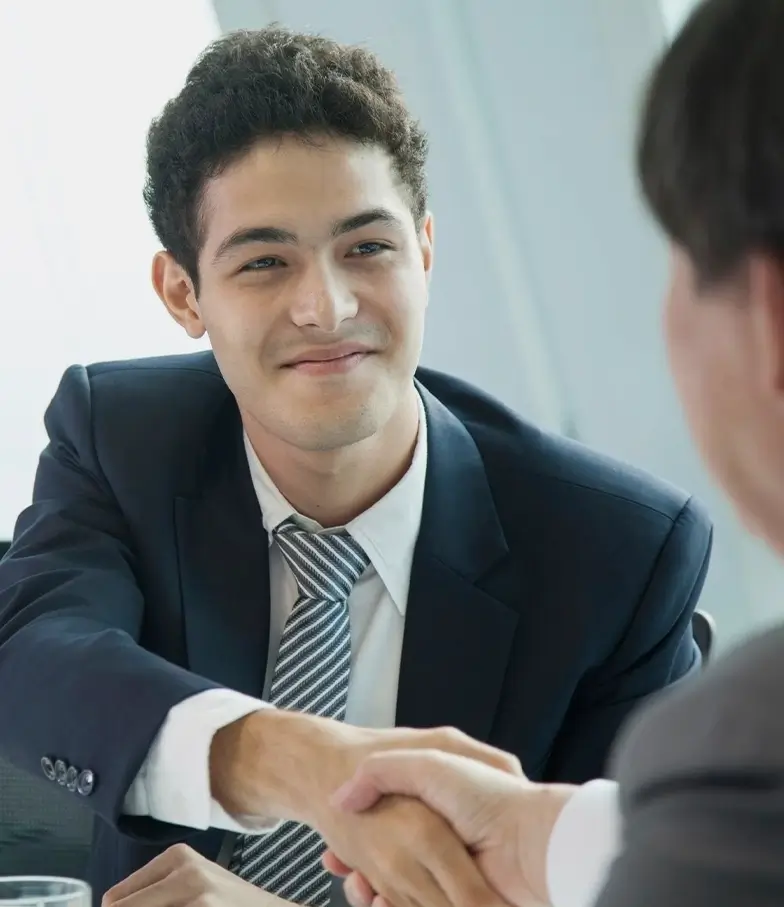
<point x="409" y="323"/>
<point x="678" y="318"/>
<point x="399" y="301"/>
<point x="708" y="385"/>
<point x="236" y="321"/>
<point x="688" y="366"/>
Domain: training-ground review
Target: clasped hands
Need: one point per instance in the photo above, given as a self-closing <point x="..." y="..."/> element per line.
<point x="427" y="819"/>
<point x="503" y="820"/>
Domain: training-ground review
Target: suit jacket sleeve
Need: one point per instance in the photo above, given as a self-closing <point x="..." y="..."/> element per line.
<point x="656" y="650"/>
<point x="76" y="684"/>
<point x="702" y="791"/>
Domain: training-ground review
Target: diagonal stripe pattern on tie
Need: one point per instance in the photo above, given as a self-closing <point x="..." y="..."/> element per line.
<point x="311" y="675"/>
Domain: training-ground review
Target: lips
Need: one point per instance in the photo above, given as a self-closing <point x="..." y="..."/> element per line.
<point x="325" y="367"/>
<point x="328" y="354"/>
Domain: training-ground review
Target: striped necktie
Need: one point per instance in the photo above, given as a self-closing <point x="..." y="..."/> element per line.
<point x="311" y="675"/>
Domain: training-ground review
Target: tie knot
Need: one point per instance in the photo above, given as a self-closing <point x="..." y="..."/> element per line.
<point x="324" y="566"/>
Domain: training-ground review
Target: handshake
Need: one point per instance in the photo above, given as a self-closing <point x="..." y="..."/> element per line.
<point x="410" y="818"/>
<point x="473" y="801"/>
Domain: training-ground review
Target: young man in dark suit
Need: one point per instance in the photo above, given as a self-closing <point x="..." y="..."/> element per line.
<point x="304" y="506"/>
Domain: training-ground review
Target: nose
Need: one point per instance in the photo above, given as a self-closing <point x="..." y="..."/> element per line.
<point x="322" y="300"/>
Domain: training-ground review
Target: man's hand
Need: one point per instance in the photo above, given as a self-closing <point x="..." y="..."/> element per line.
<point x="180" y="877"/>
<point x="287" y="765"/>
<point x="411" y="857"/>
<point x="505" y="820"/>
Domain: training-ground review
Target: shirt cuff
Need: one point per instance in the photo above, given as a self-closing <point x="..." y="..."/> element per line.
<point x="173" y="784"/>
<point x="583" y="844"/>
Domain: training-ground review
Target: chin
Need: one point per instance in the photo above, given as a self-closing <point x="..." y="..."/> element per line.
<point x="334" y="429"/>
<point x="331" y="440"/>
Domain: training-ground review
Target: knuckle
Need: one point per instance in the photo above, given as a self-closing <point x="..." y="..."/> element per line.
<point x="372" y="761"/>
<point x="191" y="881"/>
<point x="180" y="853"/>
<point x="352" y="897"/>
<point x="452" y="736"/>
<point x="205" y="899"/>
<point x="390" y="863"/>
<point x="510" y="764"/>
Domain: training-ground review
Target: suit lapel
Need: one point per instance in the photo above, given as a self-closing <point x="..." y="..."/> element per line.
<point x="224" y="564"/>
<point x="457" y="638"/>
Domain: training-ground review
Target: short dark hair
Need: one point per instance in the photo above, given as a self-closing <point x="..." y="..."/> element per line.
<point x="710" y="153"/>
<point x="266" y="83"/>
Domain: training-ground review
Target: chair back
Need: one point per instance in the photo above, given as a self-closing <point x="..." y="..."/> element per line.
<point x="703" y="628"/>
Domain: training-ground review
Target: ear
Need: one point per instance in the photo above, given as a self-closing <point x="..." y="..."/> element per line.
<point x="175" y="290"/>
<point x="426" y="244"/>
<point x="766" y="300"/>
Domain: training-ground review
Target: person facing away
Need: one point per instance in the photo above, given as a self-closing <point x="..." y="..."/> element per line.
<point x="700" y="772"/>
<point x="230" y="552"/>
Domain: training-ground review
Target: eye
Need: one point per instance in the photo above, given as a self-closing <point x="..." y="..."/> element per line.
<point x="261" y="264"/>
<point x="365" y="249"/>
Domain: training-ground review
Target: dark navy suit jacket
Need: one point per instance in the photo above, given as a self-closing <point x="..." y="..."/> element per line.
<point x="551" y="589"/>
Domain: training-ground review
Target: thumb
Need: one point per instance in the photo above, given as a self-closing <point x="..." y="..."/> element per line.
<point x="407" y="772"/>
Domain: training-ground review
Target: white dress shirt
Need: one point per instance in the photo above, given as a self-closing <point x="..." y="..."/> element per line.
<point x="173" y="784"/>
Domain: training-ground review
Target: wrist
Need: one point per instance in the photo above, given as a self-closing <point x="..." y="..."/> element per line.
<point x="543" y="804"/>
<point x="278" y="764"/>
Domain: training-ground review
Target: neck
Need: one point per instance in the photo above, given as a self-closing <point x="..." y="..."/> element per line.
<point x="333" y="487"/>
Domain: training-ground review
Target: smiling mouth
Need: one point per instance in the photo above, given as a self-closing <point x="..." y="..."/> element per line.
<point x="334" y="366"/>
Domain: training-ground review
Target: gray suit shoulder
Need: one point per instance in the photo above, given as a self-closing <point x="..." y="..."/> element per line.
<point x="725" y="722"/>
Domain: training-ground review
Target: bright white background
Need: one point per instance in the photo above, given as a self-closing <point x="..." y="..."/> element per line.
<point x="79" y="83"/>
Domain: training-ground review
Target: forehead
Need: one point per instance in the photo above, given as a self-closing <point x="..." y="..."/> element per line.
<point x="302" y="186"/>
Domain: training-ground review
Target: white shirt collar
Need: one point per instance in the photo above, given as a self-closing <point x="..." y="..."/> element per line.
<point x="387" y="531"/>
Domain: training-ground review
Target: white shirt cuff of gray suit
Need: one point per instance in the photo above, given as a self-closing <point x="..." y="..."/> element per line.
<point x="584" y="842"/>
<point x="173" y="785"/>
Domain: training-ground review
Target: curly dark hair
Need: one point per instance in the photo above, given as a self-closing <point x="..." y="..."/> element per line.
<point x="710" y="154"/>
<point x="252" y="85"/>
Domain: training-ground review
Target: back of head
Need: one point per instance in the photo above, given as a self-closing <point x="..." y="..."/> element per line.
<point x="711" y="165"/>
<point x="711" y="144"/>
<point x="253" y="85"/>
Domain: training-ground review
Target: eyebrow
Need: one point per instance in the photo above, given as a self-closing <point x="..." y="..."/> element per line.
<point x="247" y="235"/>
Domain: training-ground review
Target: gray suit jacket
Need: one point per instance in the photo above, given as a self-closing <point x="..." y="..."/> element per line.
<point x="702" y="785"/>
